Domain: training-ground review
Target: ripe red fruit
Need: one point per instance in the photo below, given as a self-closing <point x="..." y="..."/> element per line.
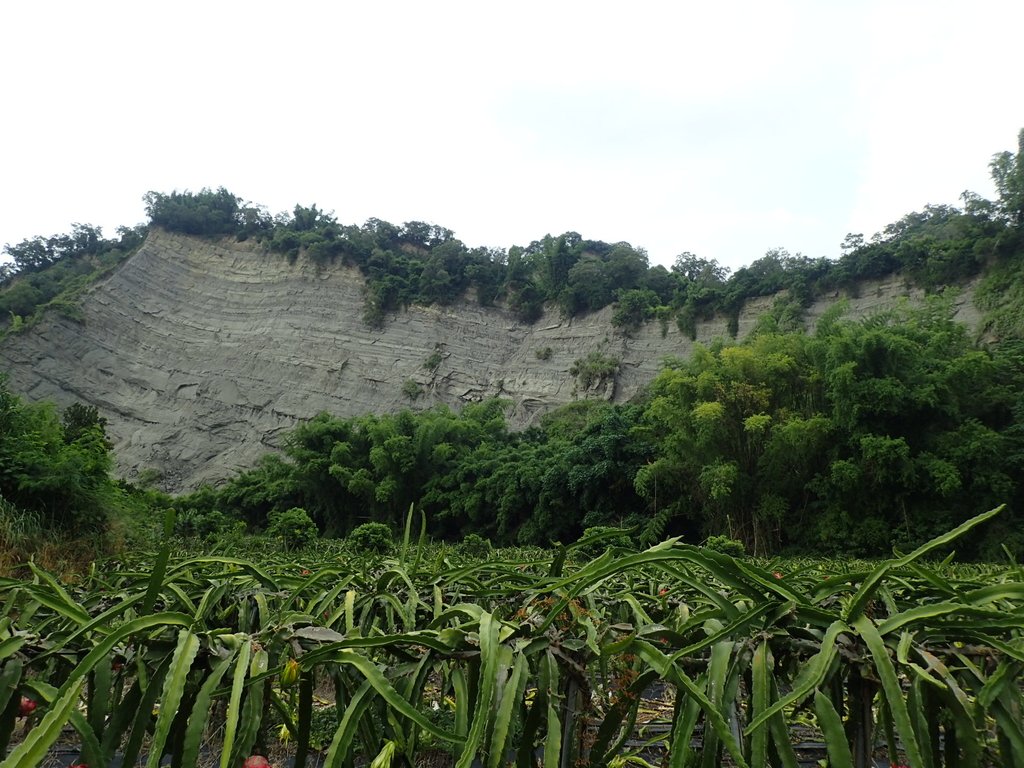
<point x="26" y="707"/>
<point x="256" y="761"/>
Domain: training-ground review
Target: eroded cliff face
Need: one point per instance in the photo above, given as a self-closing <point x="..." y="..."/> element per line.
<point x="201" y="356"/>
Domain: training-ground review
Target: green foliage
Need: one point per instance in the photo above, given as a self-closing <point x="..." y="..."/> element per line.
<point x="21" y="532"/>
<point x="1000" y="294"/>
<point x="434" y="359"/>
<point x="633" y="308"/>
<point x="543" y="353"/>
<point x="292" y="527"/>
<point x="476" y="546"/>
<point x="202" y="524"/>
<point x="412" y="389"/>
<point x="207" y="212"/>
<point x="425" y="264"/>
<point x="594" y="370"/>
<point x="371" y="537"/>
<point x="868" y="434"/>
<point x="1008" y="175"/>
<point x="58" y="471"/>
<point x="804" y="441"/>
<point x="78" y="420"/>
<point x="863" y="435"/>
<point x="726" y="546"/>
<point x="596" y="539"/>
<point x="52" y="272"/>
<point x="324" y="723"/>
<point x="493" y="662"/>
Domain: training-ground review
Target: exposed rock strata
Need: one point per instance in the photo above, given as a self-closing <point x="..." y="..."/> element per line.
<point x="201" y="355"/>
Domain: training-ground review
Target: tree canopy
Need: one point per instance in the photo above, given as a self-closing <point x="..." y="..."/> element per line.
<point x="56" y="469"/>
<point x="866" y="433"/>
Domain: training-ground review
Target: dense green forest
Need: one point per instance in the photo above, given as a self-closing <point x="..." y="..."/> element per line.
<point x="862" y="435"/>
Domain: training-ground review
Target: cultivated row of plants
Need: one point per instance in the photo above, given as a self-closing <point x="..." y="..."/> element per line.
<point x="496" y="662"/>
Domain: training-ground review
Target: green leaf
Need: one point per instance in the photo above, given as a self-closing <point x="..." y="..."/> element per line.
<point x="174" y="688"/>
<point x="674" y="674"/>
<point x="918" y="613"/>
<point x="867" y="589"/>
<point x="37" y="743"/>
<point x="812" y="676"/>
<point x="386" y="691"/>
<point x="156" y="578"/>
<point x="201" y="712"/>
<point x="251" y="718"/>
<point x="305" y="718"/>
<point x="511" y="694"/>
<point x="760" y="702"/>
<point x="144" y="714"/>
<point x="234" y="703"/>
<point x="886" y="672"/>
<point x="341" y="744"/>
<point x="9" y="647"/>
<point x="839" y="754"/>
<point x="10" y="677"/>
<point x="553" y="735"/>
<point x="485" y="688"/>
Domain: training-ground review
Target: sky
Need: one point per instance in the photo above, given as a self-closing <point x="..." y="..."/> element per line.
<point x="722" y="129"/>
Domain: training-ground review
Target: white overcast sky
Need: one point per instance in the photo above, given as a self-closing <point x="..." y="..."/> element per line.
<point x="720" y="128"/>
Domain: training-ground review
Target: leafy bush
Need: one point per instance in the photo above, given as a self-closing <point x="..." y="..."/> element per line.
<point x="411" y="389"/>
<point x="544" y="353"/>
<point x="371" y="537"/>
<point x="594" y="370"/>
<point x="62" y="476"/>
<point x="203" y="524"/>
<point x="293" y="527"/>
<point x="434" y="360"/>
<point x="726" y="546"/>
<point x="475" y="545"/>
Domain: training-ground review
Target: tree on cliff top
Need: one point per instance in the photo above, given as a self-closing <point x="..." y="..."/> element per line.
<point x="206" y="212"/>
<point x="1008" y="175"/>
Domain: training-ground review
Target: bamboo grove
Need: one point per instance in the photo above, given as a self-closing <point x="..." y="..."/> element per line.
<point x="675" y="654"/>
<point x="867" y="432"/>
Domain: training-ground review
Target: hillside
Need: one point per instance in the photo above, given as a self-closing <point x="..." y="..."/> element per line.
<point x="201" y="354"/>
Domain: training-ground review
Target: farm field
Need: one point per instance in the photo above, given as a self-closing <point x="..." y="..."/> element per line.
<point x="676" y="655"/>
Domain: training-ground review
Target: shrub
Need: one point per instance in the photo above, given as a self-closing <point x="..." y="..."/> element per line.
<point x="293" y="527"/>
<point x="371" y="537"/>
<point x="201" y="524"/>
<point x="726" y="546"/>
<point x="411" y="389"/>
<point x="475" y="545"/>
<point x="434" y="360"/>
<point x="594" y="370"/>
<point x="544" y="353"/>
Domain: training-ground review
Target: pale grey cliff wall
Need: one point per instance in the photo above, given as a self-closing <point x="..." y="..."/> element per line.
<point x="200" y="356"/>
